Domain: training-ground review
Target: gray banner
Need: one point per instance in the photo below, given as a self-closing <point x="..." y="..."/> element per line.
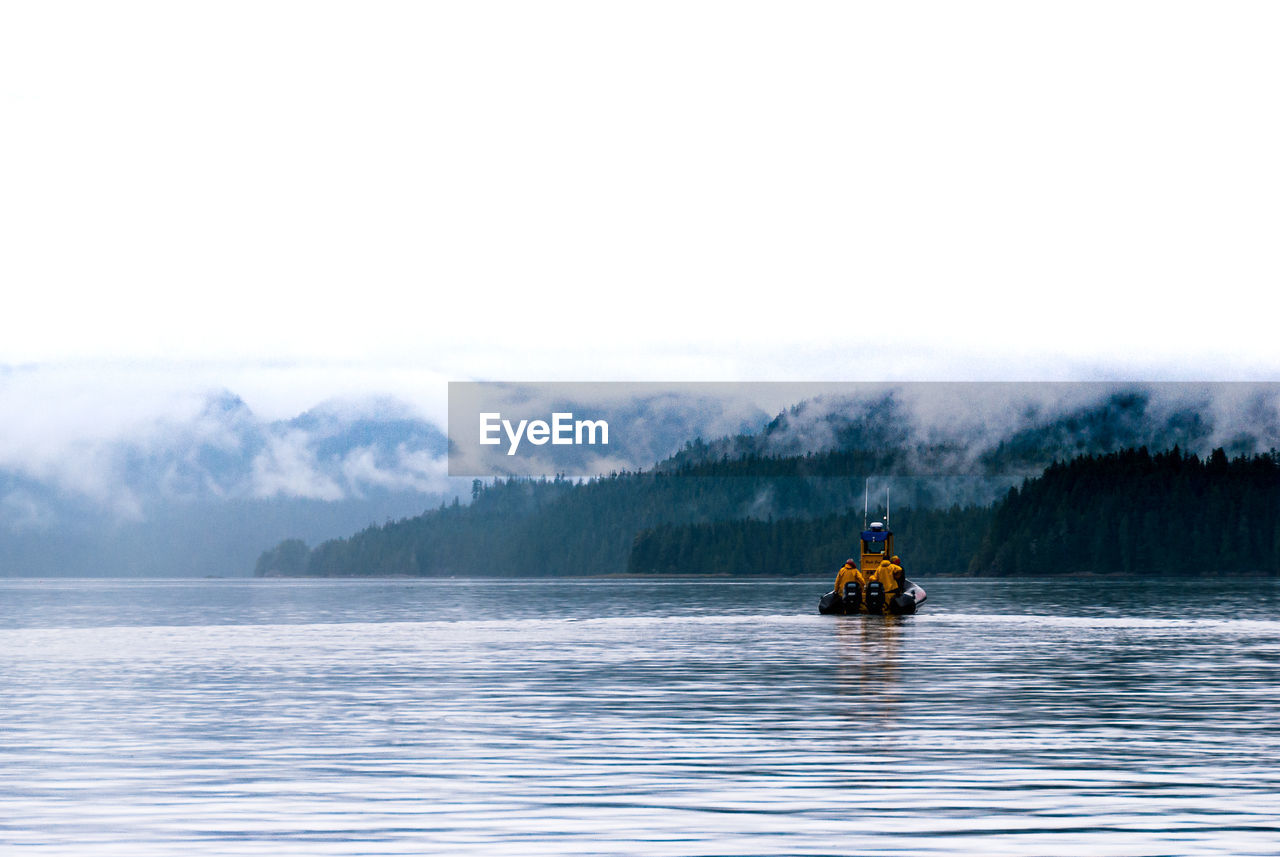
<point x="927" y="430"/>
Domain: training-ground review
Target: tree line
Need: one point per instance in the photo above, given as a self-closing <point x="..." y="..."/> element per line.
<point x="1132" y="512"/>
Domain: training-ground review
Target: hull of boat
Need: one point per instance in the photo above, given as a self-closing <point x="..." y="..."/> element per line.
<point x="903" y="604"/>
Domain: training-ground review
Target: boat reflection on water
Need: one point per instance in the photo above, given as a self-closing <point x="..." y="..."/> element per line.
<point x="868" y="667"/>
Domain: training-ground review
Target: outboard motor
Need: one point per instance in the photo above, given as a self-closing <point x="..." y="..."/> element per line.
<point x="903" y="604"/>
<point x="875" y="597"/>
<point x="852" y="596"/>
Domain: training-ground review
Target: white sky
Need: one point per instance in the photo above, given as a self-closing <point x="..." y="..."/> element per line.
<point x="297" y="200"/>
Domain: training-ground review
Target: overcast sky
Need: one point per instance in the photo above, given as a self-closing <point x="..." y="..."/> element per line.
<point x="300" y="200"/>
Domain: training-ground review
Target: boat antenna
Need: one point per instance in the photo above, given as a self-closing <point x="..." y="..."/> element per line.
<point x="866" y="500"/>
<point x="886" y="505"/>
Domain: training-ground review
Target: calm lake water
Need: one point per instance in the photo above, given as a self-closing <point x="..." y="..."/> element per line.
<point x="246" y="717"/>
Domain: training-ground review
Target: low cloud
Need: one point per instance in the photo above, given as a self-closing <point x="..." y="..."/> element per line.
<point x="21" y="512"/>
<point x="126" y="445"/>
<point x="288" y="467"/>
<point x="408" y="470"/>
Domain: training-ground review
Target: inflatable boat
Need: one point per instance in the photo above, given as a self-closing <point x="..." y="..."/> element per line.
<point x="904" y="603"/>
<point x="876" y="546"/>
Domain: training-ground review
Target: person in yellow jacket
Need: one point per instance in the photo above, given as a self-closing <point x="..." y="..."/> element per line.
<point x="883" y="574"/>
<point x="849" y="573"/>
<point x="894" y="582"/>
<point x="899" y="576"/>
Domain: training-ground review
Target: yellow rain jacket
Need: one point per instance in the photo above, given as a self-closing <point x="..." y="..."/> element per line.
<point x="888" y="583"/>
<point x="893" y="586"/>
<point x="848" y="573"/>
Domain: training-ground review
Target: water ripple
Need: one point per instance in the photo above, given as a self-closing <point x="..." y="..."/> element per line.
<point x="345" y="722"/>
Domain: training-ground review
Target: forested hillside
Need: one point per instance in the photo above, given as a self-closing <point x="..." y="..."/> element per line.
<point x="753" y="504"/>
<point x="558" y="526"/>
<point x="1127" y="513"/>
<point x="1132" y="512"/>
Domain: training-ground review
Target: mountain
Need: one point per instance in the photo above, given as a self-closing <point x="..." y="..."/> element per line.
<point x="1000" y="428"/>
<point x="202" y="494"/>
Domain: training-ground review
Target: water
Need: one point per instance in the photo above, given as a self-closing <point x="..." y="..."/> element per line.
<point x="665" y="718"/>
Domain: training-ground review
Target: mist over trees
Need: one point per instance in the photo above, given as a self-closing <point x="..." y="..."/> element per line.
<point x="1127" y="512"/>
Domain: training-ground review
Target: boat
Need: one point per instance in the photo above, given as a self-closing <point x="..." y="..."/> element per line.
<point x="876" y="545"/>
